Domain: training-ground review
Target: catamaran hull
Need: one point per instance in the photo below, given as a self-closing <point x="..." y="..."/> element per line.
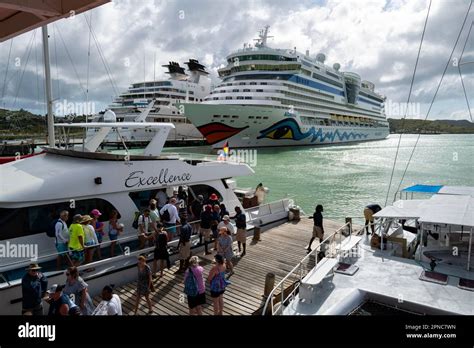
<point x="253" y="126"/>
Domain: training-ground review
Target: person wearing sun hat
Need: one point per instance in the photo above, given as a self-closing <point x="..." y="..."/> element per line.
<point x="33" y="285"/>
<point x="90" y="237"/>
<point x="76" y="240"/>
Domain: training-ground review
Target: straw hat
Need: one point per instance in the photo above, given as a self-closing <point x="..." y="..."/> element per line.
<point x="33" y="267"/>
<point x="86" y="218"/>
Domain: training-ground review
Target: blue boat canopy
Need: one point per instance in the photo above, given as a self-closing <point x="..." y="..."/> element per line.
<point x="423" y="188"/>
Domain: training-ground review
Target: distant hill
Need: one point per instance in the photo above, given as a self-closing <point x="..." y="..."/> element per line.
<point x="431" y="127"/>
<point x="22" y="123"/>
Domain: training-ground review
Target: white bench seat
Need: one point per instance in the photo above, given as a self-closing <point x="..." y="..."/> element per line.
<point x="349" y="243"/>
<point x="314" y="277"/>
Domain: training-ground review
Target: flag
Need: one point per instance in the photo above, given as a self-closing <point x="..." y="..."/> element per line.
<point x="226" y="149"/>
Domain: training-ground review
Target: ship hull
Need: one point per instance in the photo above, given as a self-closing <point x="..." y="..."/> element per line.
<point x="246" y="126"/>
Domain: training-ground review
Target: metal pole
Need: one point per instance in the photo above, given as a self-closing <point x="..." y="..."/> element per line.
<point x="48" y="88"/>
<point x="469" y="254"/>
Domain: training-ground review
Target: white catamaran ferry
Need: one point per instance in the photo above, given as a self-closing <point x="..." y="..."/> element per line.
<point x="281" y="97"/>
<point x="155" y="101"/>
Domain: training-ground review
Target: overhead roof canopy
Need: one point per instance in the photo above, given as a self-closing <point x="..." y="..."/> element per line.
<point x="403" y="209"/>
<point x="449" y="209"/>
<point x="439" y="209"/>
<point x="19" y="16"/>
<point x="441" y="189"/>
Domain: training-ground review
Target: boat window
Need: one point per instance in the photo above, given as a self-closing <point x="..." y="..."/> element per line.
<point x="226" y="116"/>
<point x="19" y="222"/>
<point x="235" y="116"/>
<point x="246" y="90"/>
<point x="251" y="117"/>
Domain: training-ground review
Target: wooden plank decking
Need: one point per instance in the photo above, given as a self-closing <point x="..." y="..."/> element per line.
<point x="281" y="248"/>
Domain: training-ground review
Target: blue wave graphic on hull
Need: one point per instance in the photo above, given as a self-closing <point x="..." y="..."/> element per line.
<point x="290" y="130"/>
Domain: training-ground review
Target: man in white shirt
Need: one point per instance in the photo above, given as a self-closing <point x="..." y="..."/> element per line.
<point x="154" y="215"/>
<point x="144" y="228"/>
<point x="110" y="304"/>
<point x="170" y="224"/>
<point x="62" y="238"/>
<point x="226" y="223"/>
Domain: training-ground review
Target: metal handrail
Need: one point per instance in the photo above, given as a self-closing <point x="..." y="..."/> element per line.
<point x="122" y="240"/>
<point x="299" y="267"/>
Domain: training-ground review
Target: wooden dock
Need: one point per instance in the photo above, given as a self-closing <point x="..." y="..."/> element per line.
<point x="281" y="248"/>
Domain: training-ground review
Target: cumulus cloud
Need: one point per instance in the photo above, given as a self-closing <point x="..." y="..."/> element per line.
<point x="377" y="39"/>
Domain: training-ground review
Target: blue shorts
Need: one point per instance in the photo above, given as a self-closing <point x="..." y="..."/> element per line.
<point x="62" y="248"/>
<point x="113" y="236"/>
<point x="77" y="255"/>
<point x="171" y="228"/>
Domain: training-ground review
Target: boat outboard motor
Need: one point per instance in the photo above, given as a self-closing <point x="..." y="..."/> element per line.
<point x="109" y="116"/>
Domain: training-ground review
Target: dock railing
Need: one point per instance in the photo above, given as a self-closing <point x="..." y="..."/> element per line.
<point x="296" y="274"/>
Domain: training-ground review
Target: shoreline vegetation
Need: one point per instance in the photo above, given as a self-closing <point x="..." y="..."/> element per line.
<point x="22" y="124"/>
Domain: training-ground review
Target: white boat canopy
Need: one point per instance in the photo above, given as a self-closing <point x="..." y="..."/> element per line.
<point x="439" y="209"/>
<point x="402" y="209"/>
<point x="448" y="209"/>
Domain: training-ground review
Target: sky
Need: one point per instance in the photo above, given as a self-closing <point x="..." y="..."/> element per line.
<point x="377" y="39"/>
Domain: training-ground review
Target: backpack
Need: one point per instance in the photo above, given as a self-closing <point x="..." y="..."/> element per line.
<point x="135" y="220"/>
<point x="219" y="283"/>
<point x="166" y="215"/>
<point x="190" y="285"/>
<point x="51" y="231"/>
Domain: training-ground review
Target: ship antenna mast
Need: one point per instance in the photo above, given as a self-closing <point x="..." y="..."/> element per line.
<point x="263" y="36"/>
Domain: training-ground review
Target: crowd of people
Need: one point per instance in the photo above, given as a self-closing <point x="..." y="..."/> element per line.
<point x="178" y="220"/>
<point x="165" y="219"/>
<point x="71" y="298"/>
<point x="80" y="242"/>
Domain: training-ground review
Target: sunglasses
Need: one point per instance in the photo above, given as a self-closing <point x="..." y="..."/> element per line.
<point x="68" y="274"/>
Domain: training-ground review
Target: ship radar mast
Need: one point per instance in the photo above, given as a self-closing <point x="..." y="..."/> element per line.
<point x="263" y="36"/>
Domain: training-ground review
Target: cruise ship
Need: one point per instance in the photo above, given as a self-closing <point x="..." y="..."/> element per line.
<point x="281" y="97"/>
<point x="155" y="101"/>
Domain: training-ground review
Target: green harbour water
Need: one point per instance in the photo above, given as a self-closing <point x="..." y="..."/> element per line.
<point x="345" y="178"/>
